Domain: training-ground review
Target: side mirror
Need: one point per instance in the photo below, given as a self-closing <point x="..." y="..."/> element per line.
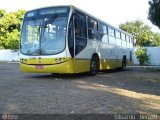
<point x="19" y="27"/>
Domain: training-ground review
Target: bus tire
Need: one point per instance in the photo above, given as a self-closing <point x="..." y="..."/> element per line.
<point x="124" y="63"/>
<point x="94" y="65"/>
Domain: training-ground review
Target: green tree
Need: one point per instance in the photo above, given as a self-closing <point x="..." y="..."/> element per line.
<point x="2" y="13"/>
<point x="10" y="29"/>
<point x="156" y="39"/>
<point x="154" y="12"/>
<point x="141" y="33"/>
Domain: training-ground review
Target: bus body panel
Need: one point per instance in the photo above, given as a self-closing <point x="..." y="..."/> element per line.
<point x="110" y="55"/>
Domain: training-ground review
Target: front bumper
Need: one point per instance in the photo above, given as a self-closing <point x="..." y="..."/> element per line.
<point x="65" y="67"/>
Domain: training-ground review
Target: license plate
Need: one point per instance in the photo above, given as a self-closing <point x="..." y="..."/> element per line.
<point x="39" y="66"/>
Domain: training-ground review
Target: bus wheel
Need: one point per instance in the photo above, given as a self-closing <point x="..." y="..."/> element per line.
<point x="123" y="64"/>
<point x="94" y="65"/>
<point x="54" y="74"/>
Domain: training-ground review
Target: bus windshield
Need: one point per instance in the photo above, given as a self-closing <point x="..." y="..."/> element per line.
<point x="43" y="36"/>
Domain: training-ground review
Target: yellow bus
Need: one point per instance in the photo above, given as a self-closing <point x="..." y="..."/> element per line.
<point x="65" y="39"/>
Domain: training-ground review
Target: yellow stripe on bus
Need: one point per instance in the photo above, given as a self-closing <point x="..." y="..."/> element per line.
<point x="69" y="65"/>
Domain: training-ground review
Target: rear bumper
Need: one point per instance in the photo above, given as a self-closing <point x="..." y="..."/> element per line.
<point x="65" y="67"/>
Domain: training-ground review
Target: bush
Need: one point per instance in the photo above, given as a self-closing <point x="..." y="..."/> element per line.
<point x="142" y="56"/>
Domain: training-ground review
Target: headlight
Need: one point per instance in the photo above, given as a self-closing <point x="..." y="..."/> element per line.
<point x="59" y="60"/>
<point x="22" y="60"/>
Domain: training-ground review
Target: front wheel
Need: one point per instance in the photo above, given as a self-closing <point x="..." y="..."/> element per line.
<point x="94" y="66"/>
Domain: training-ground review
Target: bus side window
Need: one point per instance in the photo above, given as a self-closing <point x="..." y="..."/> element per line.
<point x="71" y="37"/>
<point x="123" y="37"/>
<point x="90" y="34"/>
<point x="103" y="32"/>
<point x="92" y="29"/>
<point x="80" y="32"/>
<point x="92" y="24"/>
<point x="118" y="34"/>
<point x="111" y="32"/>
<point x="80" y="26"/>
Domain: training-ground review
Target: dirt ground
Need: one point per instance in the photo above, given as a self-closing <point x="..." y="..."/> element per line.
<point x="136" y="90"/>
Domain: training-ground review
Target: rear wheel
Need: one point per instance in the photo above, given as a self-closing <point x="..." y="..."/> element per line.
<point x="124" y="64"/>
<point x="54" y="74"/>
<point x="94" y="65"/>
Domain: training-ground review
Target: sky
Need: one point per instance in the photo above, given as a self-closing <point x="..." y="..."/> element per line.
<point x="113" y="12"/>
